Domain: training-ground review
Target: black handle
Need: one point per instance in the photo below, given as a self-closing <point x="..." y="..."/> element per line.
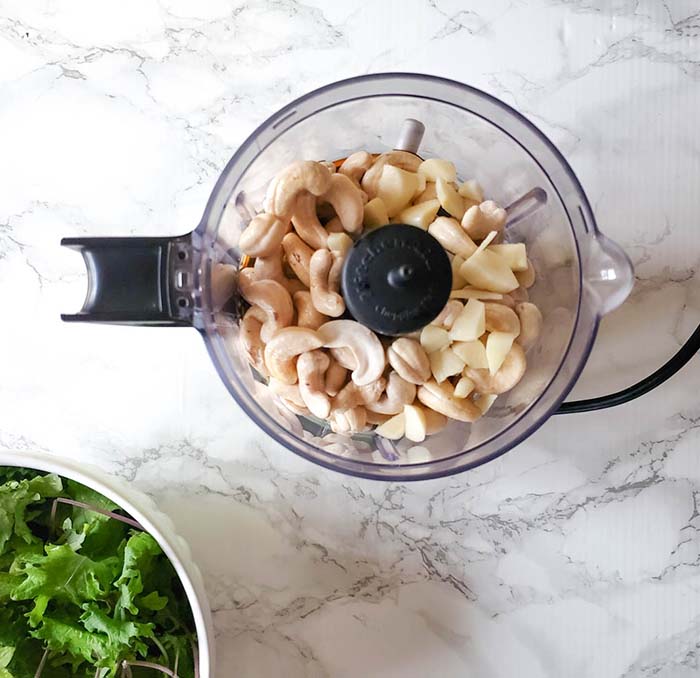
<point x="136" y="281"/>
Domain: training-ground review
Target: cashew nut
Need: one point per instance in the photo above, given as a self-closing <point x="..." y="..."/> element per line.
<point x="263" y="235"/>
<point x="439" y="397"/>
<point x="520" y="294"/>
<point x="346" y="199"/>
<point x="289" y="394"/>
<point x="410" y="360"/>
<point x="448" y="315"/>
<point x="271" y="268"/>
<point x="509" y="374"/>
<point x="434" y="421"/>
<point x="352" y="395"/>
<point x="366" y="348"/>
<point x="307" y="315"/>
<point x="526" y="278"/>
<point x="500" y="318"/>
<point x="311" y="367"/>
<point x="304" y="175"/>
<point x="377" y="419"/>
<point x="282" y="350"/>
<point x="336" y="376"/>
<point x="506" y="299"/>
<point x="399" y="392"/>
<point x="271" y="297"/>
<point x="348" y="421"/>
<point x="530" y="324"/>
<point x="401" y="159"/>
<point x="344" y="357"/>
<point x="479" y="220"/>
<point x="251" y="343"/>
<point x="335" y="226"/>
<point x="329" y="166"/>
<point x="298" y="255"/>
<point x="306" y="223"/>
<point x="324" y="291"/>
<point x="355" y="166"/>
<point x="450" y="235"/>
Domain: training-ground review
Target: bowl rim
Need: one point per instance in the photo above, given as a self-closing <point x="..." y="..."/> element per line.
<point x="187" y="570"/>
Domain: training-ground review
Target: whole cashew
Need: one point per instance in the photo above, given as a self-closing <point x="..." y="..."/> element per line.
<point x="450" y="235"/>
<point x="336" y="272"/>
<point x="324" y="294"/>
<point x="446" y="318"/>
<point x="289" y="394"/>
<point x="439" y="397"/>
<point x="526" y="278"/>
<point x="479" y="220"/>
<point x="282" y="350"/>
<point x="410" y="360"/>
<point x="307" y="315"/>
<point x="336" y="376"/>
<point x="366" y="348"/>
<point x="348" y="421"/>
<point x="355" y="166"/>
<point x="434" y="421"/>
<point x="510" y="373"/>
<point x="298" y="255"/>
<point x="377" y="419"/>
<point x="251" y="343"/>
<point x="352" y="395"/>
<point x="335" y="226"/>
<point x="304" y="175"/>
<point x="344" y="357"/>
<point x="311" y="368"/>
<point x="401" y="159"/>
<point x="399" y="392"/>
<point x="506" y="300"/>
<point x="520" y="294"/>
<point x="530" y="324"/>
<point x="270" y="268"/>
<point x="329" y="166"/>
<point x="271" y="297"/>
<point x="346" y="199"/>
<point x="500" y="318"/>
<point x="306" y="223"/>
<point x="263" y="235"/>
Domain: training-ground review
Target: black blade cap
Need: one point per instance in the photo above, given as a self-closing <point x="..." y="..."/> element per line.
<point x="396" y="279"/>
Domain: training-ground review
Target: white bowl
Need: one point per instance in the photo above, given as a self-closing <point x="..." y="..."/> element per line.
<point x="143" y="509"/>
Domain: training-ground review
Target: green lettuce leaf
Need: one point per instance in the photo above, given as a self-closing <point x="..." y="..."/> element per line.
<point x="140" y="554"/>
<point x="67" y="576"/>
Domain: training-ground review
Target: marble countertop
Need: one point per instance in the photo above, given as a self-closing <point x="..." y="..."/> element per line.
<point x="578" y="553"/>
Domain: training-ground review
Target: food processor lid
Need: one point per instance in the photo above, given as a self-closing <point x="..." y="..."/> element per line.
<point x="396" y="279"/>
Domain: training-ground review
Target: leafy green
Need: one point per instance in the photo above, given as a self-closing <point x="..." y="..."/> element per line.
<point x="81" y="586"/>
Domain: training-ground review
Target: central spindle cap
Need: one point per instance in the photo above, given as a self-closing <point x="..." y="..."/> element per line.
<point x="396" y="279"/>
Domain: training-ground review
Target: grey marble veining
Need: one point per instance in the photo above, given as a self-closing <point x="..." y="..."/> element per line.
<point x="577" y="554"/>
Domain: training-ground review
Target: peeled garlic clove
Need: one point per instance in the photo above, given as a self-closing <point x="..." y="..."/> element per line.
<point x="394" y="428"/>
<point x="396" y="188"/>
<point x="472" y="352"/>
<point x="436" y="168"/>
<point x="498" y="345"/>
<point x="375" y="214"/>
<point x="421" y="215"/>
<point x="433" y="338"/>
<point x="451" y="201"/>
<point x="463" y="387"/>
<point x="471" y="190"/>
<point x="470" y="323"/>
<point x="415" y="423"/>
<point x="514" y="254"/>
<point x="489" y="271"/>
<point x="445" y="363"/>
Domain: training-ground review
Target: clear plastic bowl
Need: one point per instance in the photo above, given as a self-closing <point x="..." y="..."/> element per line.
<point x="581" y="275"/>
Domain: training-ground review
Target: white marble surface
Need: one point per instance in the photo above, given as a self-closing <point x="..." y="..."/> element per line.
<point x="576" y="554"/>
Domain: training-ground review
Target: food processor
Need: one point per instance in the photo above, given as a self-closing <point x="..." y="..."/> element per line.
<point x="191" y="280"/>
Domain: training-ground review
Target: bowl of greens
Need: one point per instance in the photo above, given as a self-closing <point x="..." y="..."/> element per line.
<point x="94" y="580"/>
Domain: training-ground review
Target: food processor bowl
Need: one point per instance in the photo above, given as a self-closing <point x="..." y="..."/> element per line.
<point x="191" y="280"/>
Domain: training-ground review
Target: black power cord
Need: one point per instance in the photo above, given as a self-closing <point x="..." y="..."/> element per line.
<point x="686" y="352"/>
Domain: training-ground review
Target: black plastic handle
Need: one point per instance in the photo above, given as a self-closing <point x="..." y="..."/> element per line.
<point x="136" y="281"/>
